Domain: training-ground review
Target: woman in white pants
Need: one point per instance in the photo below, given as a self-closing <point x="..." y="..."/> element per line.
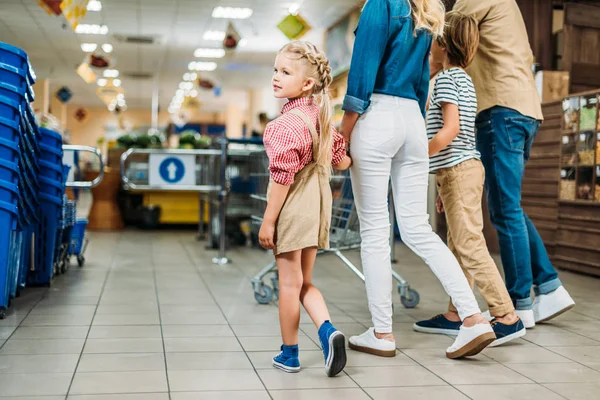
<point x="383" y="122"/>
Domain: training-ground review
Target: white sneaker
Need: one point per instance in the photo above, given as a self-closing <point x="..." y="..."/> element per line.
<point x="369" y="343"/>
<point x="527" y="318"/>
<point x="487" y="315"/>
<point x="548" y="306"/>
<point x="471" y="341"/>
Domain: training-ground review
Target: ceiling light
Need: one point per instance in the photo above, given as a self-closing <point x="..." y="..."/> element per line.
<point x="89" y="47"/>
<point x="232" y="13"/>
<point x="214" y="35"/>
<point x="190" y="76"/>
<point x="107" y="47"/>
<point x="111" y="73"/>
<point x="94" y="5"/>
<point x="202" y="66"/>
<point x="194" y="93"/>
<point x="121" y="102"/>
<point x="101" y="82"/>
<point x="111" y="107"/>
<point x="116" y="82"/>
<point x="91" y="29"/>
<point x="182" y="85"/>
<point x="209" y="53"/>
<point x="294" y="9"/>
<point x="243" y="42"/>
<point x="179" y="93"/>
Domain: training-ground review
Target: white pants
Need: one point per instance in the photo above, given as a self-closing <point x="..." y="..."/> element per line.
<point x="390" y="140"/>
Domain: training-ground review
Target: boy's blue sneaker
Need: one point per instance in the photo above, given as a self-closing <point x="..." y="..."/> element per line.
<point x="333" y="343"/>
<point x="287" y="360"/>
<point x="506" y="333"/>
<point x="438" y="324"/>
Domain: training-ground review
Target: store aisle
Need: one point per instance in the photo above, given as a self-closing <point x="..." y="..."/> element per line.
<point x="150" y="318"/>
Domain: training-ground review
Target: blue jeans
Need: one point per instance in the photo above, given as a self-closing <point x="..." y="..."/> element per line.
<point x="504" y="139"/>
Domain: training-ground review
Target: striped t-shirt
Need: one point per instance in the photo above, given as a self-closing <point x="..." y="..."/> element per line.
<point x="453" y="86"/>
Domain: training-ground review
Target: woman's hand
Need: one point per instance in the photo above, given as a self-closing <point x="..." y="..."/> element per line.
<point x="348" y="122"/>
<point x="266" y="235"/>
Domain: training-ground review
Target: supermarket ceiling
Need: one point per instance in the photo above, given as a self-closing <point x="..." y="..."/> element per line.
<point x="175" y="29"/>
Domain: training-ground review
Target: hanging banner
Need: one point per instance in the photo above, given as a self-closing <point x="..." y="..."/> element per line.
<point x="64" y="94"/>
<point x="294" y="27"/>
<point x="52" y="7"/>
<point x="74" y="11"/>
<point x="86" y="73"/>
<point x="232" y="38"/>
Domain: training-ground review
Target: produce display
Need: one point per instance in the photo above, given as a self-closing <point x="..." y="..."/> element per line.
<point x="191" y="139"/>
<point x="597" y="193"/>
<point x="587" y="118"/>
<point x="584" y="192"/>
<point x="586" y="157"/>
<point x="128" y="141"/>
<point x="567" y="190"/>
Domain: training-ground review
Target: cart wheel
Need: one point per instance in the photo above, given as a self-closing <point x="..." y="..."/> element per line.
<point x="265" y="297"/>
<point x="80" y="260"/>
<point x="411" y="300"/>
<point x="2" y="313"/>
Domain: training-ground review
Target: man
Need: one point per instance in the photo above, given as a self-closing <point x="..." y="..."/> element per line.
<point x="509" y="115"/>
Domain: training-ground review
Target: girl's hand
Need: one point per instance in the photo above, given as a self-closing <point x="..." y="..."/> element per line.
<point x="266" y="235"/>
<point x="439" y="205"/>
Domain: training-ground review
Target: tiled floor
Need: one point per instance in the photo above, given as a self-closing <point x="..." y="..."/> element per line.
<point x="150" y="318"/>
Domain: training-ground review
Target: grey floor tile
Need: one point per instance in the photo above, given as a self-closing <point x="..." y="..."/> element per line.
<point x="242" y="395"/>
<point x="121" y="362"/>
<point x="524" y="355"/>
<point x="190" y="381"/>
<point x="43" y="346"/>
<point x="14" y="385"/>
<point x="310" y="378"/>
<point x="438" y="356"/>
<point x="513" y="392"/>
<point x="57" y="320"/>
<point x="38" y="364"/>
<point x="144" y="396"/>
<point x="413" y="340"/>
<point x="479" y="374"/>
<point x="104" y="346"/>
<point x="6" y="331"/>
<point x="51" y="332"/>
<point x="126" y="319"/>
<point x="393" y="376"/>
<point x="192" y="331"/>
<point x="560" y="339"/>
<point x="416" y="393"/>
<point x="119" y="382"/>
<point x="125" y="332"/>
<point x="258" y="330"/>
<point x="557" y="373"/>
<point x="190" y="318"/>
<point x="78" y="310"/>
<point x="207" y="360"/>
<point x="179" y="345"/>
<point x="320" y="394"/>
<point x="583" y="354"/>
<point x="576" y="391"/>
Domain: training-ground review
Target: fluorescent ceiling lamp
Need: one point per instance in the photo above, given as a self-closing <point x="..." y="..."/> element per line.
<point x="202" y="66"/>
<point x="91" y="29"/>
<point x="194" y="93"/>
<point x="294" y="9"/>
<point x="179" y="93"/>
<point x="116" y="82"/>
<point x="214" y="35"/>
<point x="243" y="42"/>
<point x="190" y="76"/>
<point x="101" y="82"/>
<point x="120" y="96"/>
<point x="94" y="5"/>
<point x="111" y="73"/>
<point x="232" y="13"/>
<point x="209" y="53"/>
<point x="107" y="47"/>
<point x="89" y="47"/>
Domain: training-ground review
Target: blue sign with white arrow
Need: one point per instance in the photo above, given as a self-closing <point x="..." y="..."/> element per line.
<point x="171" y="170"/>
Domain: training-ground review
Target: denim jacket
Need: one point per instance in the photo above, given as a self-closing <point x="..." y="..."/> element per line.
<point x="388" y="58"/>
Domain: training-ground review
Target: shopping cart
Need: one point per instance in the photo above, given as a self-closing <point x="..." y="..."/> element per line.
<point x="344" y="234"/>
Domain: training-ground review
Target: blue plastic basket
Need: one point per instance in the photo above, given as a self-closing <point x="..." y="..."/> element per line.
<point x="14" y="56"/>
<point x="51" y="138"/>
<point x="12" y="75"/>
<point x="12" y="92"/>
<point x="51" y="187"/>
<point x="9" y="171"/>
<point x="9" y="108"/>
<point x="77" y="236"/>
<point x="8" y="220"/>
<point x="25" y="263"/>
<point x="9" y="129"/>
<point x="50" y="170"/>
<point x="45" y="240"/>
<point x="51" y="154"/>
<point x="65" y="173"/>
<point x="9" y="192"/>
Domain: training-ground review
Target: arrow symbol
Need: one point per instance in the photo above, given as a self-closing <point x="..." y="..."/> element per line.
<point x="172" y="170"/>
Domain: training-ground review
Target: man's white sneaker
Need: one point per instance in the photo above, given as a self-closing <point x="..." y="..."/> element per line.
<point x="471" y="341"/>
<point x="527" y="318"/>
<point x="369" y="343"/>
<point x="548" y="306"/>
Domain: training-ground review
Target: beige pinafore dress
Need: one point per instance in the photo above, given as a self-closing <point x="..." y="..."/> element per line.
<point x="305" y="217"/>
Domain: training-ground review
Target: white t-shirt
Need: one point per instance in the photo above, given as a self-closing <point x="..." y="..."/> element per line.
<point x="453" y="86"/>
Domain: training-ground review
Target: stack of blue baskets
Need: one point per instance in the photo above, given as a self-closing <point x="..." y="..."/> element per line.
<point x="31" y="181"/>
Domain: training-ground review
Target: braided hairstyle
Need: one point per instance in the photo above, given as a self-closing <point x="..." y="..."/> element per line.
<point x="317" y="68"/>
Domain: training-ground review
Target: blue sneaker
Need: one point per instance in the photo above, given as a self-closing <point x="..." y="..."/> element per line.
<point x="506" y="333"/>
<point x="333" y="343"/>
<point x="438" y="324"/>
<point x="287" y="360"/>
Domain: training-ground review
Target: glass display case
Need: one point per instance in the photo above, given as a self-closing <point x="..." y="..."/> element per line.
<point x="580" y="149"/>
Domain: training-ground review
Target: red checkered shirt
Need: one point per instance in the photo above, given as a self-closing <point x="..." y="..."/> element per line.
<point x="288" y="141"/>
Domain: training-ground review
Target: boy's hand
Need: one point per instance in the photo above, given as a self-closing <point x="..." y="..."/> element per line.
<point x="266" y="235"/>
<point x="439" y="205"/>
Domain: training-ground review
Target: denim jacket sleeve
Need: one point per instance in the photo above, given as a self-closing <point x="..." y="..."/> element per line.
<point x="423" y="89"/>
<point x="369" y="48"/>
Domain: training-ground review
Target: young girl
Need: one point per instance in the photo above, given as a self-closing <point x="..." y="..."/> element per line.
<point x="302" y="146"/>
<point x="459" y="175"/>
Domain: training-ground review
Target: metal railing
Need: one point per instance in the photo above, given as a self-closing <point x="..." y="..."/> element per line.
<point x="211" y="180"/>
<point x="85" y="149"/>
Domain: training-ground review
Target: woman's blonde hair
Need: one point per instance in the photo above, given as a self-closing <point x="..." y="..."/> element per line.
<point x="318" y="69"/>
<point x="428" y="15"/>
<point x="460" y="39"/>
